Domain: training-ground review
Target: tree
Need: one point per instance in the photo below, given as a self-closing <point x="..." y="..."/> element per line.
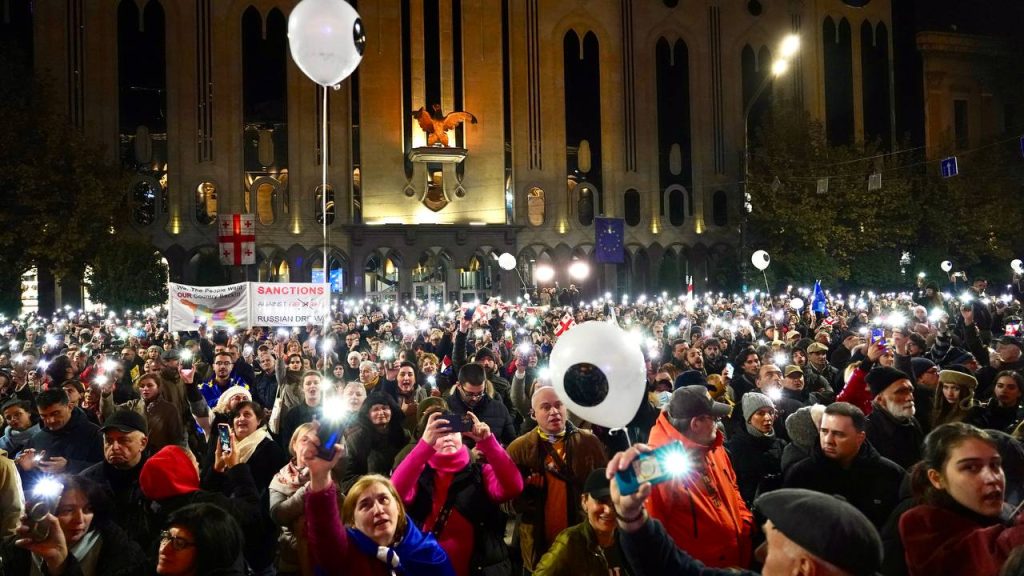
<point x="127" y="273"/>
<point x="813" y="235"/>
<point x="60" y="192"/>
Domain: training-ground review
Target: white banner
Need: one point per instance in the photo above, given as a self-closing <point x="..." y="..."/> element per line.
<point x="214" y="306"/>
<point x="289" y="304"/>
<point x="247" y="304"/>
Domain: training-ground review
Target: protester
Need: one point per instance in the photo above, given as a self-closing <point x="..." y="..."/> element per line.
<point x="959" y="528"/>
<point x="755" y="452"/>
<point x="18" y="415"/>
<point x="891" y="427"/>
<point x="374" y="440"/>
<point x="709" y="500"/>
<point x="955" y="398"/>
<point x="372" y="534"/>
<point x="67" y="443"/>
<point x="12" y="496"/>
<point x="163" y="423"/>
<point x="201" y="539"/>
<point x="1003" y="411"/>
<point x="287" y="509"/>
<point x="457" y="500"/>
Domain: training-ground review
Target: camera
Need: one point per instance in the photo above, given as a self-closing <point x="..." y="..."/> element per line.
<point x="41" y="501"/>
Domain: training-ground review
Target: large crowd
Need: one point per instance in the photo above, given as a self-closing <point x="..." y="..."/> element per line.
<point x="818" y="434"/>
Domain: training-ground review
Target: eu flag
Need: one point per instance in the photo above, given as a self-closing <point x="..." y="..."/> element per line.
<point x="818" y="303"/>
<point x="608" y="243"/>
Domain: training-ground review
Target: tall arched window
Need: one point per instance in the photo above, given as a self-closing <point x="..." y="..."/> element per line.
<point x="676" y="206"/>
<point x="319" y="208"/>
<point x="631" y="207"/>
<point x="720" y="208"/>
<point x="585" y="205"/>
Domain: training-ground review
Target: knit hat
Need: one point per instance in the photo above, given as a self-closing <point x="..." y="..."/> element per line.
<point x="426" y="407"/>
<point x="689" y="378"/>
<point x="881" y="377"/>
<point x="227" y="395"/>
<point x="851" y="542"/>
<point x="959" y="378"/>
<point x="801" y="428"/>
<point x="168" y="473"/>
<point x="483" y="352"/>
<point x="754" y="401"/>
<point x="920" y="366"/>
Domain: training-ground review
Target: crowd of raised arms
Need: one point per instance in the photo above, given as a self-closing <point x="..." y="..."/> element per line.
<point x="868" y="433"/>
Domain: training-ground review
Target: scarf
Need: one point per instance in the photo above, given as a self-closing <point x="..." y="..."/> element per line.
<point x="289" y="479"/>
<point x="758" y="434"/>
<point x="416" y="554"/>
<point x="450" y="463"/>
<point x="87" y="552"/>
<point x="247" y="445"/>
<point x="553" y="438"/>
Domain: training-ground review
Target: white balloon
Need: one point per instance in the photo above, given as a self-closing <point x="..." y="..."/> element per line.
<point x="507" y="261"/>
<point x="326" y="39"/>
<point x="946" y="265"/>
<point x="610" y="386"/>
<point x="1017" y="266"/>
<point x="796" y="303"/>
<point x="760" y="259"/>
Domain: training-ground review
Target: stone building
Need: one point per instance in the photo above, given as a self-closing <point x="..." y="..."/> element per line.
<point x="618" y="108"/>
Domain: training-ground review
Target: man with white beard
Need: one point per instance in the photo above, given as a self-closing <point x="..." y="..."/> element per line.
<point x="891" y="426"/>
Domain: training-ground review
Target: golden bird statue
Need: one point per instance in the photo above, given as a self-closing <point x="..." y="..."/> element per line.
<point x="437" y="125"/>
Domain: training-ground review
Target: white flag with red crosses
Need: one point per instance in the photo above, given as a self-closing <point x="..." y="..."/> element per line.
<point x="236" y="234"/>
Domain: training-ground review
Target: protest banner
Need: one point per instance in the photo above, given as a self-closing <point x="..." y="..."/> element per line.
<point x="215" y="306"/>
<point x="289" y="304"/>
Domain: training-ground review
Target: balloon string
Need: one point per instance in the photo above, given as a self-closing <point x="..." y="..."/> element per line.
<point x="323" y="197"/>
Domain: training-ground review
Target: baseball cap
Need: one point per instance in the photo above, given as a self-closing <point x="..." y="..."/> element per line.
<point x="793" y="369"/>
<point x="692" y="401"/>
<point x="126" y="420"/>
<point x="596" y="484"/>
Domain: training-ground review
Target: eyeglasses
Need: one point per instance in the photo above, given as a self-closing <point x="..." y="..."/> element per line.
<point x="176" y="542"/>
<point x="472" y="395"/>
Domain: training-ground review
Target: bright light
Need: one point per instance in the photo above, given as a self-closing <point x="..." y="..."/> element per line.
<point x="790" y="45"/>
<point x="779" y="67"/>
<point x="781" y="360"/>
<point x="185" y="355"/>
<point x="543" y="273"/>
<point x="579" y="270"/>
<point x="100" y="380"/>
<point x="334" y="408"/>
<point x="677" y="463"/>
<point x="47" y="488"/>
<point x="775" y="393"/>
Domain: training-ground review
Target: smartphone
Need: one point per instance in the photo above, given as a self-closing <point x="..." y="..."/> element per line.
<point x="458" y="422"/>
<point x="329" y="435"/>
<point x="468" y="314"/>
<point x="224" y="437"/>
<point x="877" y="335"/>
<point x="42" y="500"/>
<point x="659" y="465"/>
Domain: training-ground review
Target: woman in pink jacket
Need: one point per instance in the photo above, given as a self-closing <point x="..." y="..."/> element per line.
<point x="458" y="500"/>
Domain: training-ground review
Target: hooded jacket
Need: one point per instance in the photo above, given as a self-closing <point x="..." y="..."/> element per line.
<point x="368" y="450"/>
<point x="703" y="511"/>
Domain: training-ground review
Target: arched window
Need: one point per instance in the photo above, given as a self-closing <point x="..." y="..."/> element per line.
<point x="720" y="208"/>
<point x="585" y="205"/>
<point x="206" y="202"/>
<point x="631" y="207"/>
<point x="320" y="206"/>
<point x="676" y="207"/>
<point x="264" y="191"/>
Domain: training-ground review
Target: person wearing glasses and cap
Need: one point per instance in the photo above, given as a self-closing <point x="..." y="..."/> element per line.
<point x="703" y="512"/>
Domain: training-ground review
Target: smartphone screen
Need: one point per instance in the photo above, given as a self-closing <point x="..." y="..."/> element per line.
<point x="224" y="437"/>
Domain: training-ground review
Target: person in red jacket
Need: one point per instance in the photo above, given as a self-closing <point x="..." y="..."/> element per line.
<point x="963" y="525"/>
<point x="703" y="510"/>
<point x="856" y="391"/>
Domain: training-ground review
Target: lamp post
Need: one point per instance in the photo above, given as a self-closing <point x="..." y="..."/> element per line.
<point x="787" y="49"/>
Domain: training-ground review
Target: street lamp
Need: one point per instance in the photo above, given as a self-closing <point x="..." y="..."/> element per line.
<point x="787" y="49"/>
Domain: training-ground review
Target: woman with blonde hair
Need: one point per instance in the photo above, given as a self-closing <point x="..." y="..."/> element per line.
<point x="372" y="534"/>
<point x="287" y="500"/>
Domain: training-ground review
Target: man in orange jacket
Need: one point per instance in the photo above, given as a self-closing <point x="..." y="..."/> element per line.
<point x="702" y="510"/>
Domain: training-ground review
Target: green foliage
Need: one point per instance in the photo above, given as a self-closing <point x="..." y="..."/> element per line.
<point x="852" y="237"/>
<point x="209" y="270"/>
<point x="127" y="273"/>
<point x="60" y="191"/>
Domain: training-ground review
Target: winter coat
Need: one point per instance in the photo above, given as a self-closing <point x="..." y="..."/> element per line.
<point x="583" y="453"/>
<point x="576" y="552"/>
<point x="952" y="540"/>
<point x="128" y="504"/>
<point x="12" y="498"/>
<point x="992" y="416"/>
<point x="491" y="411"/>
<point x="369" y="451"/>
<point x="118" y="556"/>
<point x="897" y="439"/>
<point x="712" y="523"/>
<point x="757" y="462"/>
<point x="871" y="484"/>
<point x="14" y="441"/>
<point x="650" y="550"/>
<point x="79" y="441"/>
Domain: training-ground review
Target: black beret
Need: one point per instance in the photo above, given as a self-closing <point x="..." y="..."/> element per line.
<point x="881" y="377"/>
<point x="689" y="378"/>
<point x="851" y="542"/>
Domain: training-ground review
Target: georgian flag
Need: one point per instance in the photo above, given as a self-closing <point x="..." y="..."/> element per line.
<point x="236" y="235"/>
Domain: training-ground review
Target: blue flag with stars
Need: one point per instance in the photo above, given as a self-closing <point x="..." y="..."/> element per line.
<point x="818" y="302"/>
<point x="610" y="232"/>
